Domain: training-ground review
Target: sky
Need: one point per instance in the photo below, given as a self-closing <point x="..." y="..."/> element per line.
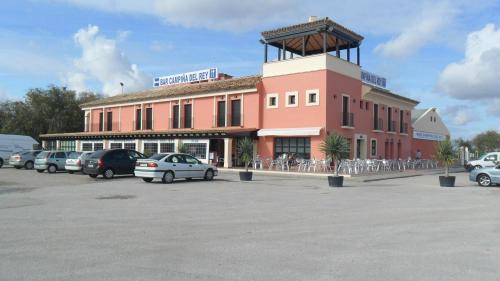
<point x="446" y="54"/>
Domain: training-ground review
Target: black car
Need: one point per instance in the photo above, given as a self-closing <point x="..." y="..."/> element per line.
<point x="109" y="163"/>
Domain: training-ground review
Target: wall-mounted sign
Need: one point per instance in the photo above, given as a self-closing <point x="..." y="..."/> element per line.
<point x="188" y="77"/>
<point x="373" y="79"/>
<point x="428" y="136"/>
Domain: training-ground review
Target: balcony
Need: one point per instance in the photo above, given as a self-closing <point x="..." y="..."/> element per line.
<point x="142" y="125"/>
<point x="403" y="128"/>
<point x="392" y="126"/>
<point x="347" y="120"/>
<point x="182" y="123"/>
<point x="378" y="124"/>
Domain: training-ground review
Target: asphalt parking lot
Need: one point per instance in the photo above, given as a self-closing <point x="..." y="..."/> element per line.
<point x="72" y="227"/>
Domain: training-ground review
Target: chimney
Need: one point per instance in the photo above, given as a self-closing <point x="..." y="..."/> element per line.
<point x="313" y="18"/>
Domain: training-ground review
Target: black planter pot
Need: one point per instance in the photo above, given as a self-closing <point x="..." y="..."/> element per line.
<point x="447" y="181"/>
<point x="246" y="176"/>
<point x="336" y="181"/>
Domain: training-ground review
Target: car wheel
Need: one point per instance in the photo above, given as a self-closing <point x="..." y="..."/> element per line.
<point x="168" y="177"/>
<point x="108" y="174"/>
<point x="477" y="167"/>
<point x="484" y="180"/>
<point x="1" y="163"/>
<point x="147" y="179"/>
<point x="28" y="165"/>
<point x="17" y="167"/>
<point x="209" y="175"/>
<point x="40" y="171"/>
<point x="52" y="169"/>
<point x="70" y="172"/>
<point x="92" y="176"/>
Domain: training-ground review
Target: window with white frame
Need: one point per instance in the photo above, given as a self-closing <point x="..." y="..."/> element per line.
<point x="272" y="100"/>
<point x="115" y="145"/>
<point x="312" y="97"/>
<point x="150" y="148"/>
<point x="291" y="99"/>
<point x="167" y="147"/>
<point x="129" y="145"/>
<point x="87" y="146"/>
<point x="373" y="148"/>
<point x="98" y="146"/>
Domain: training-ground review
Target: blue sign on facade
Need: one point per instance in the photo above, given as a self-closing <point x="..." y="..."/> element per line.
<point x="373" y="79"/>
<point x="189" y="77"/>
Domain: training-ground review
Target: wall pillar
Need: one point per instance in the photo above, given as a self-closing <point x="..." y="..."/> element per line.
<point x="177" y="144"/>
<point x="138" y="145"/>
<point x="78" y="145"/>
<point x="105" y="144"/>
<point x="44" y="144"/>
<point x="58" y="144"/>
<point x="228" y="149"/>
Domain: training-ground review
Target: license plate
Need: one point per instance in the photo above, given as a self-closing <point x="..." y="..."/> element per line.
<point x="143" y="165"/>
<point x="91" y="165"/>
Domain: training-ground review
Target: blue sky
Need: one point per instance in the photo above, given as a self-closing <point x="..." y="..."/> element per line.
<point x="444" y="53"/>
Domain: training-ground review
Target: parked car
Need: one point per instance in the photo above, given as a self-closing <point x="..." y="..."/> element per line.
<point x="487" y="160"/>
<point x="75" y="161"/>
<point x="109" y="163"/>
<point x="24" y="159"/>
<point x="10" y="144"/>
<point x="168" y="167"/>
<point x="486" y="176"/>
<point x="52" y="161"/>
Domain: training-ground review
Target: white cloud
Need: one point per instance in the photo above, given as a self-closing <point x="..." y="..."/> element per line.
<point x="460" y="115"/>
<point x="102" y="61"/>
<point x="432" y="19"/>
<point x="476" y="76"/>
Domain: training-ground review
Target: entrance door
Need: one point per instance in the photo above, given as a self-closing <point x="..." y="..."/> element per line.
<point x="358" y="148"/>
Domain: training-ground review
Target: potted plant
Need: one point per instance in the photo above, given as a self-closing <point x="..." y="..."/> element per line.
<point x="445" y="155"/>
<point x="335" y="146"/>
<point x="182" y="148"/>
<point x="245" y="148"/>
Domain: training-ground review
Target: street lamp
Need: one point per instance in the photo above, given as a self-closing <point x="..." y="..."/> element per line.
<point x="121" y="84"/>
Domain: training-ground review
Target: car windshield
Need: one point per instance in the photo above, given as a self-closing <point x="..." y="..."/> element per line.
<point x="85" y="155"/>
<point x="157" y="156"/>
<point x="74" y="155"/>
<point x="43" y="154"/>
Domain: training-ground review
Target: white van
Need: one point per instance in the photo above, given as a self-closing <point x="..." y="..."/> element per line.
<point x="487" y="160"/>
<point x="14" y="143"/>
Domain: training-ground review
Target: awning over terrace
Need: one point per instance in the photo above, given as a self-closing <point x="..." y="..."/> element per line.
<point x="290" y="132"/>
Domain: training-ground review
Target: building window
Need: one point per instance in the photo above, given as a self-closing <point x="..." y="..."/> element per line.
<point x="312" y="97"/>
<point x="115" y="145"/>
<point x="236" y="113"/>
<point x="221" y="114"/>
<point x="175" y="116"/>
<point x="167" y="147"/>
<point x="87" y="146"/>
<point x="98" y="146"/>
<point x="361" y="104"/>
<point x="198" y="150"/>
<point x="300" y="147"/>
<point x="188" y="123"/>
<point x="150" y="148"/>
<point x="374" y="148"/>
<point x="109" y="121"/>
<point x="67" y="145"/>
<point x="291" y="99"/>
<point x="101" y="121"/>
<point x="149" y="118"/>
<point x="129" y="145"/>
<point x="272" y="100"/>
<point x="138" y="119"/>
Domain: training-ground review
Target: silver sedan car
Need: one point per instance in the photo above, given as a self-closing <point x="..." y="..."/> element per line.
<point x="486" y="176"/>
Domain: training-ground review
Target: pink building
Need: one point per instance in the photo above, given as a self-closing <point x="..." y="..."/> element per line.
<point x="309" y="90"/>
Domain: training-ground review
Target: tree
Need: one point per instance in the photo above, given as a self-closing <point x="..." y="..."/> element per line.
<point x="51" y="110"/>
<point x="487" y="141"/>
<point x="446" y="155"/>
<point x="335" y="146"/>
<point x="245" y="149"/>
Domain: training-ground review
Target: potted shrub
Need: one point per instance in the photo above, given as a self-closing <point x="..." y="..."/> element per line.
<point x="445" y="155"/>
<point x="245" y="148"/>
<point x="337" y="147"/>
<point x="182" y="148"/>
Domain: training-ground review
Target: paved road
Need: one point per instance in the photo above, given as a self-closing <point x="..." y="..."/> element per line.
<point x="71" y="227"/>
